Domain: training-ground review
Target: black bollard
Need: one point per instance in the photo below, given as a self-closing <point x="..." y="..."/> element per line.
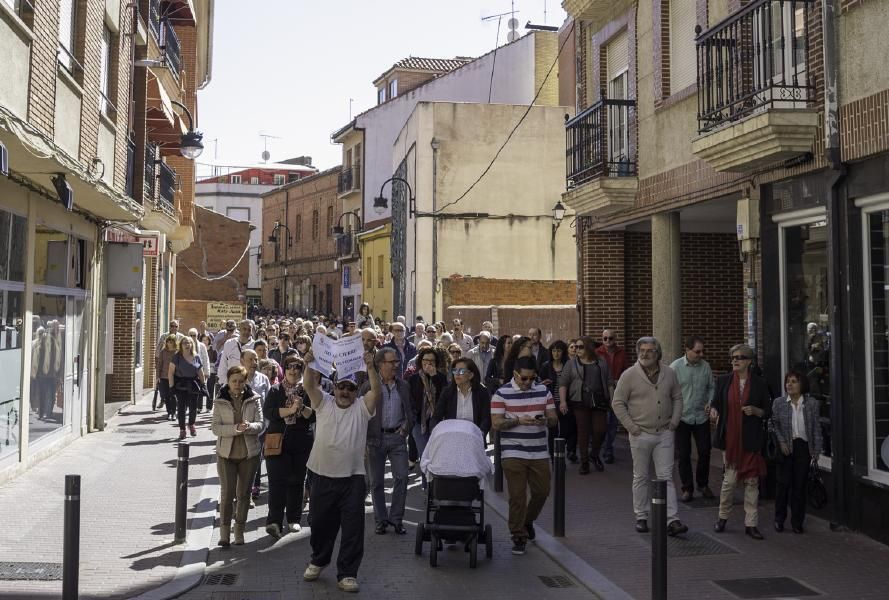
<point x="181" y="493"/>
<point x="498" y="467"/>
<point x="71" y="549"/>
<point x="559" y="481"/>
<point x="659" y="541"/>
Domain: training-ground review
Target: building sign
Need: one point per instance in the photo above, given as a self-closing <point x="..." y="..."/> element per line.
<point x="347" y="276"/>
<point x="220" y="312"/>
<point x="150" y="243"/>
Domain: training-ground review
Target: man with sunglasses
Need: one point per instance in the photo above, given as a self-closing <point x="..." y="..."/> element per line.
<point x="616" y="357"/>
<point x="405" y="350"/>
<point x="387" y="440"/>
<point x="521" y="411"/>
<point x="337" y="464"/>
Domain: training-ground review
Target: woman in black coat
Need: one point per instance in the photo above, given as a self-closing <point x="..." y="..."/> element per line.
<point x="466" y="383"/>
<point x="494" y="378"/>
<point x="287" y="410"/>
<point x="425" y="388"/>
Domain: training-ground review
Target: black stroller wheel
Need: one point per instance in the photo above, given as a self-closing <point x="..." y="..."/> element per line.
<point x="418" y="545"/>
<point x="489" y="541"/>
<point x="433" y="551"/>
<point x="473" y="552"/>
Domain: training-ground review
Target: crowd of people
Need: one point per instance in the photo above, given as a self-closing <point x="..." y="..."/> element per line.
<point x="327" y="439"/>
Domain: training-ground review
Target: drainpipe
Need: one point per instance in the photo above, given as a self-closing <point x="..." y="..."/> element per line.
<point x="837" y="265"/>
<point x="435" y="146"/>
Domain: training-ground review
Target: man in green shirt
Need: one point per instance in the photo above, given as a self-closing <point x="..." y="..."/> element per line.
<point x="696" y="380"/>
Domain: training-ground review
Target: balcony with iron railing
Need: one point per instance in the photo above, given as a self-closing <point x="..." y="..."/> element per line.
<point x="130" y="188"/>
<point x="149" y="186"/>
<point x="755" y="86"/>
<point x="171" y="47"/>
<point x="601" y="163"/>
<point x="166" y="188"/>
<point x="349" y="180"/>
<point x="154" y="19"/>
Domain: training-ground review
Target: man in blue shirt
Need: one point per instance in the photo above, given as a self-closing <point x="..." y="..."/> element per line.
<point x="698" y="389"/>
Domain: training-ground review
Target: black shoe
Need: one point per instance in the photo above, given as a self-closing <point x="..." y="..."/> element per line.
<point x="720" y="526"/>
<point x="754" y="533"/>
<point x="572" y="456"/>
<point x="676" y="527"/>
<point x="706" y="493"/>
<point x="399" y="529"/>
<point x="529" y="527"/>
<point x="779" y="526"/>
<point x="798" y="529"/>
<point x="642" y="526"/>
<point x="609" y="459"/>
<point x="518" y="547"/>
<point x="598" y="464"/>
<point x="380" y="529"/>
<point x="687" y="495"/>
<point x="584" y="468"/>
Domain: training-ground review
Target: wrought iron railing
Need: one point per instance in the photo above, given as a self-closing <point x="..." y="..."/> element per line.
<point x="149" y="185"/>
<point x="130" y="188"/>
<point x="166" y="188"/>
<point x="171" y="47"/>
<point x="756" y="59"/>
<point x="349" y="179"/>
<point x="154" y="18"/>
<point x="598" y="142"/>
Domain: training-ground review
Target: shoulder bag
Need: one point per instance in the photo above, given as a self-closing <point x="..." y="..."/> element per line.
<point x="274" y="444"/>
<point x="815" y="489"/>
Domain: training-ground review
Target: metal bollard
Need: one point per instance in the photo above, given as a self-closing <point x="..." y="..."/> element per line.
<point x="71" y="549"/>
<point x="659" y="541"/>
<point x="559" y="481"/>
<point x="498" y="467"/>
<point x="181" y="493"/>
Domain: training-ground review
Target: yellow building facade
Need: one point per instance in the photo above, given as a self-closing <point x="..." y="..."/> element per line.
<point x="376" y="270"/>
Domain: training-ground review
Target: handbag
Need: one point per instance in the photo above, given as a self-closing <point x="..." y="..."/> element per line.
<point x="274" y="444"/>
<point x="772" y="447"/>
<point x="815" y="488"/>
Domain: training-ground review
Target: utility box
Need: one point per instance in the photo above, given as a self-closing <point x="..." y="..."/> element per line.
<point x="123" y="270"/>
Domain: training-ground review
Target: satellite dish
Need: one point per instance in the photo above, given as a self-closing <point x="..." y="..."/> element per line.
<point x="266" y="155"/>
<point x="513" y="23"/>
<point x="512" y="36"/>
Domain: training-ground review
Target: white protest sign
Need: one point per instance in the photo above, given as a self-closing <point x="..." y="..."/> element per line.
<point x="347" y="353"/>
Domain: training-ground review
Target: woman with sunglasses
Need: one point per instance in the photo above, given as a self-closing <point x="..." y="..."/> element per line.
<point x="740" y="407"/>
<point x="187" y="375"/>
<point x="454" y="352"/>
<point x="289" y="412"/>
<point x="425" y="389"/>
<point x="521" y="346"/>
<point x="494" y="378"/>
<point x="465" y="397"/>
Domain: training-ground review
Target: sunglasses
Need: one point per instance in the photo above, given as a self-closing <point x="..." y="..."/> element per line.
<point x="738" y="357"/>
<point x="293" y="367"/>
<point x="578" y="347"/>
<point x="460" y="371"/>
<point x="455" y="352"/>
<point x="346" y="387"/>
<point x="526" y="379"/>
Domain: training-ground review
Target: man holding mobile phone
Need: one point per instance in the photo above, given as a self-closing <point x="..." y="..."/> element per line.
<point x="521" y="411"/>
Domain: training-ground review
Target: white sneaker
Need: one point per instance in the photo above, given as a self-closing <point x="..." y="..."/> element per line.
<point x="312" y="572"/>
<point x="348" y="584"/>
<point x="294" y="527"/>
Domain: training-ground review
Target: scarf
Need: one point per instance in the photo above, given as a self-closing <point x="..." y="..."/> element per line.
<point x="291" y="392"/>
<point x="428" y="408"/>
<point x="749" y="465"/>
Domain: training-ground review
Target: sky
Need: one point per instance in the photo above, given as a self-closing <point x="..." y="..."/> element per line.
<point x="288" y="68"/>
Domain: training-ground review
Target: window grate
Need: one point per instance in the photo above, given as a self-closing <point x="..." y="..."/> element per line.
<point x="221" y="579"/>
<point x="30" y="571"/>
<point x="556" y="581"/>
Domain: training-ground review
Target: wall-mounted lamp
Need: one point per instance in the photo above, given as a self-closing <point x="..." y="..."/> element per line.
<point x="190" y="144"/>
<point x="381" y="203"/>
<point x="4" y="160"/>
<point x="558" y="214"/>
<point x="63" y="189"/>
<point x="337" y="230"/>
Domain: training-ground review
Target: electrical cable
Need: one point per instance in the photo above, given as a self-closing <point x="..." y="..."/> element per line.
<point x="568" y="36"/>
<point x="223" y="276"/>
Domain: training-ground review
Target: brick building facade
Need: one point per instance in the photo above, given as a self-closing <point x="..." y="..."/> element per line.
<point x="299" y="270"/>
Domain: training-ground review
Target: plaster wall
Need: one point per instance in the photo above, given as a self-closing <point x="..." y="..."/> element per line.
<point x="862" y="50"/>
<point x="15" y="48"/>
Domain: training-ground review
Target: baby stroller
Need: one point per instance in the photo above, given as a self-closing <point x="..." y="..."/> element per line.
<point x="455" y="501"/>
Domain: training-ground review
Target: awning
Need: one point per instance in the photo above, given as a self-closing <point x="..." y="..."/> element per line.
<point x="37" y="159"/>
<point x="164" y="126"/>
<point x="158" y="100"/>
<point x="180" y="12"/>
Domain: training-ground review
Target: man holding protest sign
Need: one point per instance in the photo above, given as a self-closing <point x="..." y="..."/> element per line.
<point x="337" y="461"/>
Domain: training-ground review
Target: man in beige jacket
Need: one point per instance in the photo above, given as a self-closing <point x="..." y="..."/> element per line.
<point x="648" y="403"/>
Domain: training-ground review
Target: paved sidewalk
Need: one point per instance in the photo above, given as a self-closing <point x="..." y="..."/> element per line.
<point x="127" y="509"/>
<point x="600" y="530"/>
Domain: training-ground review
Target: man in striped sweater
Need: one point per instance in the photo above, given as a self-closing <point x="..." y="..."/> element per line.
<point x="521" y="411"/>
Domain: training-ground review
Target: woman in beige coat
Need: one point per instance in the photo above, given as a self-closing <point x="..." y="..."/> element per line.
<point x="237" y="421"/>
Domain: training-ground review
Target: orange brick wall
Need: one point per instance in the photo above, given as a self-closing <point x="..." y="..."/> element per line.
<point x="485" y="292"/>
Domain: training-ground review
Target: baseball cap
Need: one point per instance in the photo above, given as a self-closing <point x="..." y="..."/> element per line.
<point x="353" y="378"/>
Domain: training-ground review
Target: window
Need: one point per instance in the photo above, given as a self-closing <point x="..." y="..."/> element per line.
<point x="683" y="59"/>
<point x="299" y="227"/>
<point x="368" y="275"/>
<point x="238" y="213"/>
<point x="236" y="179"/>
<point x="329" y="221"/>
<point x="380" y="270"/>
<point x="876" y="313"/>
<point x="314" y="224"/>
<point x="381" y="95"/>
<point x="66" y="34"/>
<point x="105" y="72"/>
<point x="254" y="181"/>
<point x="393" y="88"/>
<point x="783" y="25"/>
<point x="279" y="179"/>
<point x="291" y="177"/>
<point x="617" y="73"/>
<point x="806" y="313"/>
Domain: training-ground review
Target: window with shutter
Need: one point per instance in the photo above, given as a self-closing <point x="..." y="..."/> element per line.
<point x="683" y="63"/>
<point x="66" y="33"/>
<point x="617" y="55"/>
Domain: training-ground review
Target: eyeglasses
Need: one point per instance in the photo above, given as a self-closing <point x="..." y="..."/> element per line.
<point x="293" y="367"/>
<point x="578" y="347"/>
<point x="738" y="357"/>
<point x="460" y="371"/>
<point x="346" y="387"/>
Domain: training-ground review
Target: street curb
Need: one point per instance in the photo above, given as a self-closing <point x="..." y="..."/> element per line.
<point x="579" y="569"/>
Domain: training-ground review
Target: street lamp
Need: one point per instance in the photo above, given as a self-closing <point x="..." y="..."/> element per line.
<point x="381" y="203"/>
<point x="190" y="144"/>
<point x="558" y="215"/>
<point x="338" y="230"/>
<point x="273" y="238"/>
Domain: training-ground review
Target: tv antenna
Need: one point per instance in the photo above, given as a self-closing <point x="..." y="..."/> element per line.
<point x="266" y="155"/>
<point x="512" y="24"/>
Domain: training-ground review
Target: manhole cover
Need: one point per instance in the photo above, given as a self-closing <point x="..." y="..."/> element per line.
<point x="30" y="571"/>
<point x="221" y="579"/>
<point x="556" y="581"/>
<point x="693" y="544"/>
<point x="245" y="595"/>
<point x="766" y="587"/>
